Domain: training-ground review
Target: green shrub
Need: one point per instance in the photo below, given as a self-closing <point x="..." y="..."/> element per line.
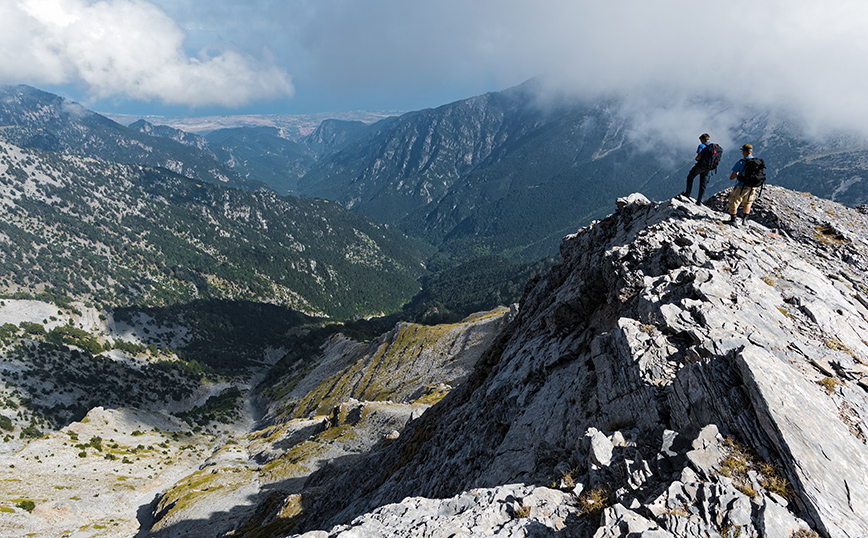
<point x="31" y="432"/>
<point x="33" y="329"/>
<point x="96" y="442"/>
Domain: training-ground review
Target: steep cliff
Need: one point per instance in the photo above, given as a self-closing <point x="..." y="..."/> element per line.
<point x="675" y="375"/>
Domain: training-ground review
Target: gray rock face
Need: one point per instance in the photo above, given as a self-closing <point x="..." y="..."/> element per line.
<point x="509" y="511"/>
<point x="697" y="377"/>
<point x="830" y="464"/>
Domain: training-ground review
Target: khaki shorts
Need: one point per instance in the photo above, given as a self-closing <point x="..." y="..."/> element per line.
<point x="741" y="196"/>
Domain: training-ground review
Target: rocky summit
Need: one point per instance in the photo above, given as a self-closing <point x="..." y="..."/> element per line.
<point x="674" y="376"/>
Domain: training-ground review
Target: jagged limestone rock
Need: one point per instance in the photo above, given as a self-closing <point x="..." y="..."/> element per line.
<point x="510" y="511"/>
<point x="661" y="317"/>
<point x="619" y="522"/>
<point x="706" y="454"/>
<point x="600" y="448"/>
<point x="829" y="464"/>
<point x="774" y="521"/>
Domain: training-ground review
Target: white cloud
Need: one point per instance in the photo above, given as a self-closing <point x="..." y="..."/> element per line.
<point x="126" y="49"/>
<point x="808" y="56"/>
<point x="22" y="53"/>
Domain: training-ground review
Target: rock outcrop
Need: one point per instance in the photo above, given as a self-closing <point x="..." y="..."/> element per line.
<point x="410" y="363"/>
<point x="674" y="376"/>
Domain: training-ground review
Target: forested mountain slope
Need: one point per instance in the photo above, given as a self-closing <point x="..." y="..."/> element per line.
<point x="261" y="153"/>
<point x="126" y="235"/>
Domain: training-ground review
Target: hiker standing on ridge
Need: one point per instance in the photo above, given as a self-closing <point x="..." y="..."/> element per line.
<point x="707" y="158"/>
<point x="749" y="173"/>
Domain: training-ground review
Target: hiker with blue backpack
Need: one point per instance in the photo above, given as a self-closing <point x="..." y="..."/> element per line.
<point x="708" y="156"/>
<point x="749" y="173"/>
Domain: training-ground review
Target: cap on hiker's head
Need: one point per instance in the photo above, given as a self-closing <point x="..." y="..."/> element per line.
<point x="704" y="136"/>
<point x="747" y="147"/>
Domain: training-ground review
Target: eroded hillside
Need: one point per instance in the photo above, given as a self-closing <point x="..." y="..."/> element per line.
<point x="327" y="414"/>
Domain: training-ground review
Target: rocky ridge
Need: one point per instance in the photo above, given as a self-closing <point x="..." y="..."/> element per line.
<point x="674" y="376"/>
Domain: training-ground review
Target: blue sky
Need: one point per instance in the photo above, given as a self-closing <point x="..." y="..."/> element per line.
<point x="197" y="57"/>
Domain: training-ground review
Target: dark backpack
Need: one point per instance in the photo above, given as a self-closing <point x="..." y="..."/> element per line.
<point x="754" y="172"/>
<point x="710" y="156"/>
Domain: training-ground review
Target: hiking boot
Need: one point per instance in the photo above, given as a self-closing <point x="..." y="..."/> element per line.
<point x="744" y="219"/>
<point x="733" y="221"/>
<point x="698" y="201"/>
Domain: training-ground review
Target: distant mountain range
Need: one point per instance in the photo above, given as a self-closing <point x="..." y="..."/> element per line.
<point x="35" y="119"/>
<point x="503" y="174"/>
<point x="57" y="128"/>
<point x="291" y="126"/>
<point x="264" y="154"/>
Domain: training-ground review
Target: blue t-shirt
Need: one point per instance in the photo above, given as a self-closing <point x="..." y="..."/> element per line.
<point x="701" y="147"/>
<point x="739" y="167"/>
